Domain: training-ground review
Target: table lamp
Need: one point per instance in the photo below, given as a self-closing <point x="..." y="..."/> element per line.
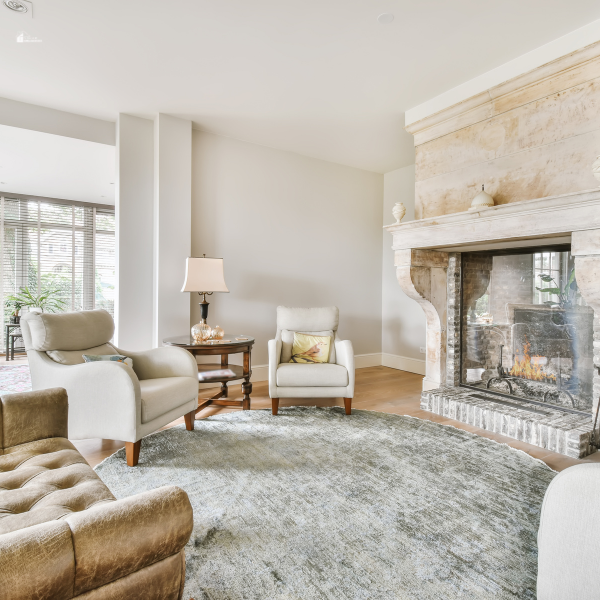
<point x="205" y="276"/>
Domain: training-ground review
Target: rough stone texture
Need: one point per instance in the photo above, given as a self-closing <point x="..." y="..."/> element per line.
<point x="556" y="430"/>
<point x="422" y="276"/>
<point x="596" y="360"/>
<point x="453" y="319"/>
<point x="533" y="136"/>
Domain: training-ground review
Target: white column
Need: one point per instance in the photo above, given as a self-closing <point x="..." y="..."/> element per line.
<point x="172" y="225"/>
<point x="134" y="206"/>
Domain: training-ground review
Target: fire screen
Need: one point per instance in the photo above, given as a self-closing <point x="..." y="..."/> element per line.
<point x="526" y="330"/>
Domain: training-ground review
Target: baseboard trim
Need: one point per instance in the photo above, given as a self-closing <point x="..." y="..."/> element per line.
<point x="361" y="361"/>
<point x="403" y="363"/>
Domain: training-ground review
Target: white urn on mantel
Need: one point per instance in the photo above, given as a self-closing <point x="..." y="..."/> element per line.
<point x="399" y="211"/>
<point x="596" y="168"/>
<point x="482" y="200"/>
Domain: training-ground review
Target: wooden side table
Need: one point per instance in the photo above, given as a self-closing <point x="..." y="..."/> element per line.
<point x="221" y="373"/>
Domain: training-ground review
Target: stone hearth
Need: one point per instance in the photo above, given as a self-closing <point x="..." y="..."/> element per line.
<point x="549" y="428"/>
<point x="428" y="266"/>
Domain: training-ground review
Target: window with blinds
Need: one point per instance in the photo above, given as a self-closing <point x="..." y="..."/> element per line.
<point x="68" y="247"/>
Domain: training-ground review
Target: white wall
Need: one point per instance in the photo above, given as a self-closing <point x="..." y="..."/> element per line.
<point x="58" y="122"/>
<point x="403" y="321"/>
<point x="172" y="209"/>
<point x="575" y="40"/>
<point x="134" y="205"/>
<point x="294" y="231"/>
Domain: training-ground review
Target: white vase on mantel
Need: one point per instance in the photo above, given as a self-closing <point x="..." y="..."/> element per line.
<point x="482" y="201"/>
<point x="399" y="211"/>
<point x="596" y="168"/>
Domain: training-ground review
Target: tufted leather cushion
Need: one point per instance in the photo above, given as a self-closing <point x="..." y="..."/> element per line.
<point x="46" y="480"/>
<point x="67" y="331"/>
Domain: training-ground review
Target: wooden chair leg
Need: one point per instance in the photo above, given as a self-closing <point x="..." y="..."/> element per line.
<point x="132" y="451"/>
<point x="189" y="420"/>
<point x="274" y="405"/>
<point x="348" y="405"/>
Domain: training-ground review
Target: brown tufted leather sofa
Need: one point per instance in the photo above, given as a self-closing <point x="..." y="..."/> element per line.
<point x="63" y="534"/>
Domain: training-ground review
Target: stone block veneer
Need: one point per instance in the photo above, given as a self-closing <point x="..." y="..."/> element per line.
<point x="554" y="430"/>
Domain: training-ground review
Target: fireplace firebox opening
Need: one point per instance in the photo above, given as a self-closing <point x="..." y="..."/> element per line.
<point x="526" y="330"/>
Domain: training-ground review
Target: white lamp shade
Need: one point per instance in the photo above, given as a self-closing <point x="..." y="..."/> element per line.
<point x="204" y="275"/>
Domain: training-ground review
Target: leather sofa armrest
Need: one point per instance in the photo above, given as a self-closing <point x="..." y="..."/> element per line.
<point x="119" y="538"/>
<point x="37" y="562"/>
<point x="29" y="416"/>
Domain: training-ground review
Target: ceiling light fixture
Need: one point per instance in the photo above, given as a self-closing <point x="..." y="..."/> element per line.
<point x="15" y="5"/>
<point x="383" y="19"/>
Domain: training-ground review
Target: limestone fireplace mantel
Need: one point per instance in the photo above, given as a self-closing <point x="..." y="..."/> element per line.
<point x="503" y="226"/>
<point x="425" y="259"/>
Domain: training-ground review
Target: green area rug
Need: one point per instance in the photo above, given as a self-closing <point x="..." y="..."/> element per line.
<point x="313" y="504"/>
<point x="15" y="378"/>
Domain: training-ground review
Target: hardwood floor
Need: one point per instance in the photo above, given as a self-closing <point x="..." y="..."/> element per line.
<point x="377" y="388"/>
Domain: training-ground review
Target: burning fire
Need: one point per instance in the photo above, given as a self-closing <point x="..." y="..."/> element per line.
<point x="530" y="367"/>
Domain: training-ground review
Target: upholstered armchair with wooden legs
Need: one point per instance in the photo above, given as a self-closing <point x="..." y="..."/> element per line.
<point x="334" y="379"/>
<point x="109" y="399"/>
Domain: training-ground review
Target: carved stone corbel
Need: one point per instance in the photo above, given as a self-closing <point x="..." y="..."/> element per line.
<point x="422" y="276"/>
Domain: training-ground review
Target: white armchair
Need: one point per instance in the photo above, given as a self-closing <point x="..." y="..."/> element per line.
<point x="334" y="379"/>
<point x="568" y="535"/>
<point x="109" y="399"/>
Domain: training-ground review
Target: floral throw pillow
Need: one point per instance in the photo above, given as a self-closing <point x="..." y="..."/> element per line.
<point x="310" y="348"/>
<point x="113" y="357"/>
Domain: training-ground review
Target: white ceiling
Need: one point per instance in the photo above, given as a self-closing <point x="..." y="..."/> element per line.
<point x="318" y="77"/>
<point x="41" y="164"/>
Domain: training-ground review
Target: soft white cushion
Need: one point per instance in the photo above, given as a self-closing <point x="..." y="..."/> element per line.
<point x="164" y="394"/>
<point x="75" y="357"/>
<point x="316" y="375"/>
<point x="69" y="331"/>
<point x="307" y="319"/>
<point x="287" y="343"/>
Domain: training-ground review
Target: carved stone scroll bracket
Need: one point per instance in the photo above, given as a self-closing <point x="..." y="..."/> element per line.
<point x="422" y="275"/>
<point x="585" y="247"/>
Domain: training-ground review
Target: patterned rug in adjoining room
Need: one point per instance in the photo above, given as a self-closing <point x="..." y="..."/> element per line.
<point x="316" y="505"/>
<point x="15" y="378"/>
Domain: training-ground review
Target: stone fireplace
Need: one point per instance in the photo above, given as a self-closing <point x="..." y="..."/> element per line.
<point x="501" y="354"/>
<point x="445" y="263"/>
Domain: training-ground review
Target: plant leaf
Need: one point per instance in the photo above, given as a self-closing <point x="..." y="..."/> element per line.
<point x="545" y="278"/>
<point x="550" y="290"/>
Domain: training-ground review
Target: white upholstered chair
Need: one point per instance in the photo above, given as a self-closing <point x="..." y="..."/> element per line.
<point x="109" y="399"/>
<point x="568" y="536"/>
<point x="334" y="379"/>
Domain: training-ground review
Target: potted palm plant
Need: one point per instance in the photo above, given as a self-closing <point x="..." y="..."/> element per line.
<point x="14" y="306"/>
<point x="45" y="301"/>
